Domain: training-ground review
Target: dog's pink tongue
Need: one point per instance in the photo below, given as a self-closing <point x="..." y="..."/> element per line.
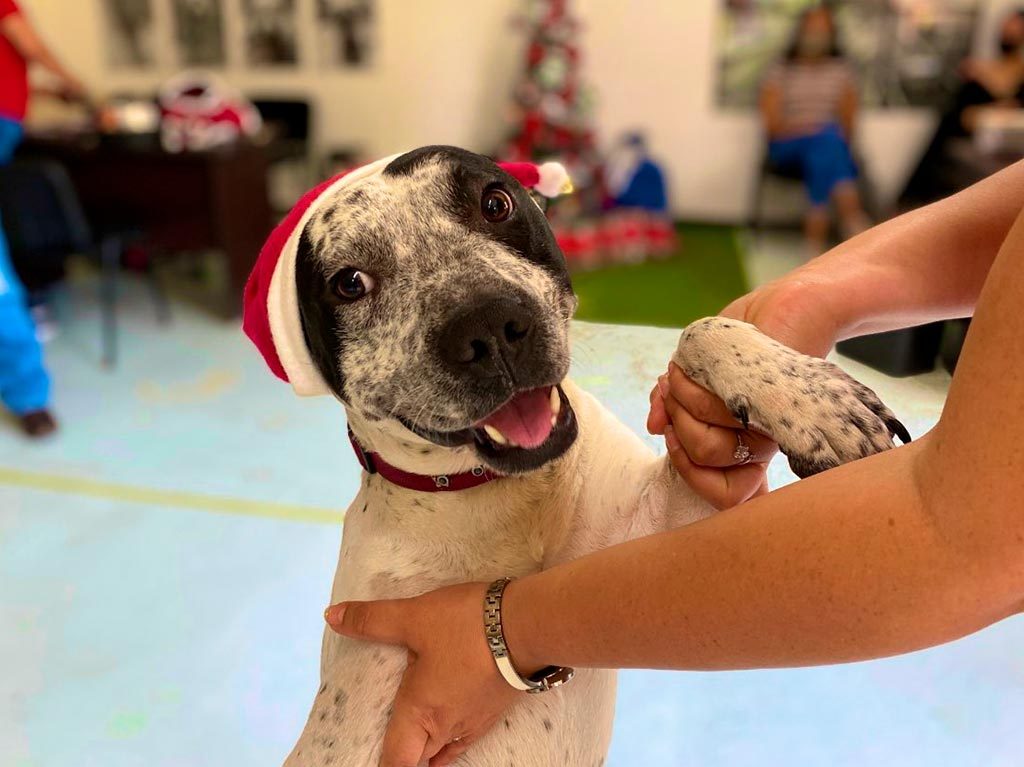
<point x="526" y="420"/>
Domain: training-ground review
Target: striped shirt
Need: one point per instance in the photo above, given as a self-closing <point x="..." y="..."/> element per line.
<point x="811" y="92"/>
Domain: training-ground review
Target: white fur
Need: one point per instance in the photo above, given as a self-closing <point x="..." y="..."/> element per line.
<point x="609" y="487"/>
<point x="399" y="543"/>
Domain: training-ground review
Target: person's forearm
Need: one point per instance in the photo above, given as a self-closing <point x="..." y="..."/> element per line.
<point x="923" y="266"/>
<point x="841" y="567"/>
<point x="31" y="47"/>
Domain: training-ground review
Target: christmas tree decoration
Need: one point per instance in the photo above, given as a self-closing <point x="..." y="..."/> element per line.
<point x="550" y="118"/>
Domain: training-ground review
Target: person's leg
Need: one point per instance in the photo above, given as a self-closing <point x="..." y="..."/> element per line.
<point x="834" y="175"/>
<point x="24" y="383"/>
<point x="800" y="152"/>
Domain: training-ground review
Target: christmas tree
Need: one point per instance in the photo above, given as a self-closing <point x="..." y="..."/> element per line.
<point x="550" y="118"/>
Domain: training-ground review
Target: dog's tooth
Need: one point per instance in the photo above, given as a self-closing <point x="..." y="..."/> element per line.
<point x="554" y="420"/>
<point x="495" y="435"/>
<point x="556" y="402"/>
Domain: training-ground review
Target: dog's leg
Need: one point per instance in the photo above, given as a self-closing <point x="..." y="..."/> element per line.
<point x="819" y="415"/>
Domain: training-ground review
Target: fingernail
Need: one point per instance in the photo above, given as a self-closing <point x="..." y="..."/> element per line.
<point x="334" y="614"/>
<point x="663" y="384"/>
<point x="671" y="440"/>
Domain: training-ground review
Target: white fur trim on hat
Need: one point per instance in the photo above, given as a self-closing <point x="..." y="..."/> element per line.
<point x="283" y="299"/>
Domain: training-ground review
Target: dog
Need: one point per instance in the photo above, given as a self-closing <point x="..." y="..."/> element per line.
<point x="435" y="304"/>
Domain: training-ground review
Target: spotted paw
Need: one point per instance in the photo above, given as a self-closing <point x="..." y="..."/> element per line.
<point x="819" y="415"/>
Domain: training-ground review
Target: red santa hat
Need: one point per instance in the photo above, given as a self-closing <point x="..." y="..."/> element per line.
<point x="270" y="307"/>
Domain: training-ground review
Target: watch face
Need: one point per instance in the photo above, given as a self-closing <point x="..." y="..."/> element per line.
<point x="552" y="676"/>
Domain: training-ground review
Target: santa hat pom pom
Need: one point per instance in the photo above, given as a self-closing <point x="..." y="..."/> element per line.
<point x="554" y="180"/>
<point x="550" y="179"/>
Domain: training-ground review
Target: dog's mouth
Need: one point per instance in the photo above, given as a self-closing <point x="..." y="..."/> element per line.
<point x="533" y="427"/>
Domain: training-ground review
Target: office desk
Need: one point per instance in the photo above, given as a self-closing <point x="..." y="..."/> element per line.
<point x="188" y="201"/>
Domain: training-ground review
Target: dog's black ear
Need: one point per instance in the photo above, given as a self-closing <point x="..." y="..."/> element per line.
<point x="320" y="321"/>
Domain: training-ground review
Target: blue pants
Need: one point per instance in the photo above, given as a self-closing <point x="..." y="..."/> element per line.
<point x="24" y="384"/>
<point x="823" y="157"/>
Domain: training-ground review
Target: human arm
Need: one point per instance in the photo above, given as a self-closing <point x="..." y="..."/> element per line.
<point x="849" y="104"/>
<point x="908" y="549"/>
<point x="923" y="266"/>
<point x="770" y="106"/>
<point x="23" y="36"/>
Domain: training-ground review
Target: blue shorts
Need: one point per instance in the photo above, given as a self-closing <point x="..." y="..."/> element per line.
<point x="824" y="159"/>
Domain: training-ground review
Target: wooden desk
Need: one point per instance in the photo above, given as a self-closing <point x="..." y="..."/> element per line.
<point x="188" y="201"/>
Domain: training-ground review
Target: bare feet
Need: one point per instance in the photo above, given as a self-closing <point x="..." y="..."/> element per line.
<point x="38" y="423"/>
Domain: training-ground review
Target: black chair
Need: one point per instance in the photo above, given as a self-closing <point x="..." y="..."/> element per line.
<point x="792" y="173"/>
<point x="45" y="224"/>
<point x="288" y="121"/>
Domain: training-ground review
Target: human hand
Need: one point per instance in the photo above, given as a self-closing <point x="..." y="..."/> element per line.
<point x="704" y="440"/>
<point x="451" y="692"/>
<point x="71" y="89"/>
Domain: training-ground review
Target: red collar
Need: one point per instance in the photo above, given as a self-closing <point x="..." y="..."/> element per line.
<point x="424" y="483"/>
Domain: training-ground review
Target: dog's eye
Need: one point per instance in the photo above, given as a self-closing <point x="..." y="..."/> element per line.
<point x="496" y="205"/>
<point x="350" y="284"/>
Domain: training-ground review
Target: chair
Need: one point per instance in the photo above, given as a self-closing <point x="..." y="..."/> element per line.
<point x="44" y="224"/>
<point x="768" y="170"/>
<point x="288" y="125"/>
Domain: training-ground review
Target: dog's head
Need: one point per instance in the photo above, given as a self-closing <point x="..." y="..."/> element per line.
<point x="434" y="294"/>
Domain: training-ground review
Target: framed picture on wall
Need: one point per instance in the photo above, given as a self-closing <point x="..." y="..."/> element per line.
<point x="270" y="35"/>
<point x="905" y="52"/>
<point x="131" y="32"/>
<point x="199" y="32"/>
<point x="346" y="32"/>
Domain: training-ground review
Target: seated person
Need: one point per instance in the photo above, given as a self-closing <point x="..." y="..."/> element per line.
<point x="809" y="105"/>
<point x="988" y="84"/>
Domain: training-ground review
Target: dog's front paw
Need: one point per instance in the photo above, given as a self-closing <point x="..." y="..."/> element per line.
<point x="819" y="415"/>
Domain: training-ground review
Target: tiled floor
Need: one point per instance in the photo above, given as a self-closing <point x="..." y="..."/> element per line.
<point x="164" y="563"/>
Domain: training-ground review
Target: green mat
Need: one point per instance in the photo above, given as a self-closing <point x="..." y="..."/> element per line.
<point x="705" y="275"/>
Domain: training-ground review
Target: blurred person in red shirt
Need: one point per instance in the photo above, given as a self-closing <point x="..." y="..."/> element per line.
<point x="24" y="382"/>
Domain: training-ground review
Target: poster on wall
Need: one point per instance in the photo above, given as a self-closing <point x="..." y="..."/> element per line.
<point x="270" y="36"/>
<point x="905" y="52"/>
<point x="346" y="29"/>
<point x="199" y="32"/>
<point x="131" y="33"/>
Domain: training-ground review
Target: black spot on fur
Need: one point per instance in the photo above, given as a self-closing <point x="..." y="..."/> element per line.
<point x="329" y="213"/>
<point x="548" y="726"/>
<point x="805" y="466"/>
<point x="526" y="231"/>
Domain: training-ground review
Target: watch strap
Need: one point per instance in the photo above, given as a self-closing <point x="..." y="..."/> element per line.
<point x="547" y="678"/>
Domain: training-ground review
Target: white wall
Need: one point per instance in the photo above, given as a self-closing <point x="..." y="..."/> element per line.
<point x="443" y="70"/>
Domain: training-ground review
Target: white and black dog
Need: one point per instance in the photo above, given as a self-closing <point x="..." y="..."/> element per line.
<point x="435" y="305"/>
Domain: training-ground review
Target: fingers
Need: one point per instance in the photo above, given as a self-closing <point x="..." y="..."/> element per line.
<point x="405" y="742"/>
<point x="698" y="401"/>
<point x="657" y="418"/>
<point x="382" y="621"/>
<point x="450" y="753"/>
<point x="722" y="488"/>
<point x="716" y="446"/>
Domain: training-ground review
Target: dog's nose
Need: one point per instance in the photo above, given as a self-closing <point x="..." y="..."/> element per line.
<point x="488" y="339"/>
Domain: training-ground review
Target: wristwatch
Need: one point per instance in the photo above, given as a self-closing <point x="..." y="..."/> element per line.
<point x="547" y="678"/>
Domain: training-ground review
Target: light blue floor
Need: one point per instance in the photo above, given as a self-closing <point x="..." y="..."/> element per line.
<point x="164" y="563"/>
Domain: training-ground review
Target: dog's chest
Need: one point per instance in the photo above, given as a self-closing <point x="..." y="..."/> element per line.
<point x="400" y="543"/>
